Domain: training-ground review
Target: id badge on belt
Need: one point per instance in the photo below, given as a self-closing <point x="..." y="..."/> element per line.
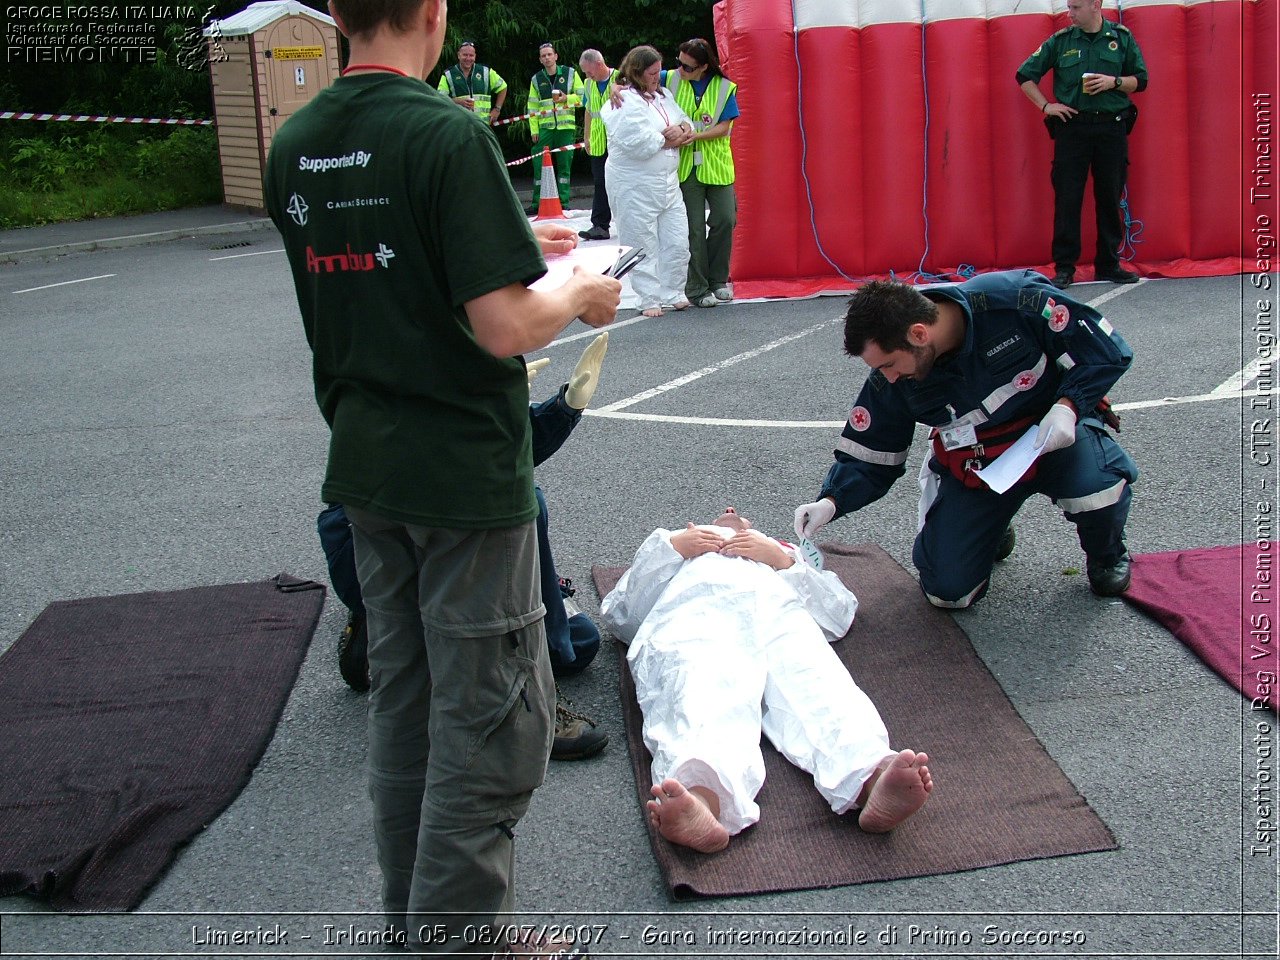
<point x="956" y="435"/>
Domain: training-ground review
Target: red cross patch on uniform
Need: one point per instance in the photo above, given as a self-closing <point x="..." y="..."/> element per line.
<point x="1025" y="380"/>
<point x="1059" y="316"/>
<point x="860" y="418"/>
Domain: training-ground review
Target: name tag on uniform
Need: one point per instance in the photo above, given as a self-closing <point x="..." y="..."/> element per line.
<point x="697" y="158"/>
<point x="957" y="435"/>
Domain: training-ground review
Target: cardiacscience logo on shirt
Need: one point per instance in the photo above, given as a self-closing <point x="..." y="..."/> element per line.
<point x="349" y="260"/>
<point x="357" y="158"/>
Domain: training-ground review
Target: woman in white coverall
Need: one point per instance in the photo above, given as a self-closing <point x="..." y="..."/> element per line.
<point x="729" y="634"/>
<point x="645" y="133"/>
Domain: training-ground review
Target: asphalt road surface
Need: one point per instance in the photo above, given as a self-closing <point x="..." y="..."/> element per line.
<point x="159" y="431"/>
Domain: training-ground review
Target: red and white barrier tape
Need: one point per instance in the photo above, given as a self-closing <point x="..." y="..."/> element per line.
<point x="525" y="116"/>
<point x="538" y="155"/>
<point x="81" y="118"/>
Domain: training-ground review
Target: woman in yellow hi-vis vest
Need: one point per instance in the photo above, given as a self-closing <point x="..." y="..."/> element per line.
<point x="706" y="169"/>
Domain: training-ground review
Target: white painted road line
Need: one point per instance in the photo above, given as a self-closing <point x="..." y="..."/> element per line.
<point x="64" y="283"/>
<point x="1199" y="398"/>
<point x="1235" y="384"/>
<point x="1112" y="294"/>
<point x="714" y="368"/>
<point x="595" y="333"/>
<point x="608" y="413"/>
<point x="237" y="256"/>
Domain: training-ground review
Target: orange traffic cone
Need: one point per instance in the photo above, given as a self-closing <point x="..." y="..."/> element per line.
<point x="548" y="193"/>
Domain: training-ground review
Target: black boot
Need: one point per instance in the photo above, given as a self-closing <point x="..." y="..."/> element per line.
<point x="353" y="652"/>
<point x="1006" y="544"/>
<point x="1109" y="580"/>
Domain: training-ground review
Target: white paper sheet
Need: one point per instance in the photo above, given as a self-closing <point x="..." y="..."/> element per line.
<point x="589" y="256"/>
<point x="1007" y="469"/>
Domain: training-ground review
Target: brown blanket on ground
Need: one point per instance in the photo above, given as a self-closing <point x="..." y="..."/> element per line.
<point x="998" y="796"/>
<point x="131" y="722"/>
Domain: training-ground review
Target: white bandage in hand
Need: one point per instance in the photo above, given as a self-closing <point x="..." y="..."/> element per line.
<point x="1061" y="420"/>
<point x="586" y="375"/>
<point x="812" y="517"/>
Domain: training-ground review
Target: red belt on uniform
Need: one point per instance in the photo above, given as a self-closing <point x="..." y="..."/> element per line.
<point x="992" y="442"/>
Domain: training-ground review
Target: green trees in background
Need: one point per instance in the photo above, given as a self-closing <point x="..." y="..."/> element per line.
<point x="508" y="33"/>
<point x="56" y="171"/>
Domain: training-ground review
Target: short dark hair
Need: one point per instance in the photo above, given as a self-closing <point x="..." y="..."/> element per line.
<point x="361" y="17"/>
<point x="703" y="54"/>
<point x="636" y="62"/>
<point x="882" y="312"/>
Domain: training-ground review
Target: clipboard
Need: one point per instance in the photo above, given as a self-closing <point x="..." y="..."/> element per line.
<point x="628" y="258"/>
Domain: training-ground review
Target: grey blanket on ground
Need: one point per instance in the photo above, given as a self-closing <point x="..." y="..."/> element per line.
<point x="998" y="797"/>
<point x="131" y="722"/>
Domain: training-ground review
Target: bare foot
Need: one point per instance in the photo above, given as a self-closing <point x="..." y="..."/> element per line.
<point x="681" y="304"/>
<point x="898" y="788"/>
<point x="651" y="312"/>
<point x="683" y="817"/>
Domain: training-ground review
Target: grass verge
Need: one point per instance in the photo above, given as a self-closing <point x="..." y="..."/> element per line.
<point x="105" y="173"/>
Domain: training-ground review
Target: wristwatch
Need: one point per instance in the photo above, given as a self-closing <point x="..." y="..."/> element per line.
<point x="1116" y="81"/>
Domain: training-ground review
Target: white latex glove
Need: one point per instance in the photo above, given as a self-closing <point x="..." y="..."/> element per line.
<point x="812" y="517"/>
<point x="586" y="375"/>
<point x="1061" y="419"/>
<point x="532" y="369"/>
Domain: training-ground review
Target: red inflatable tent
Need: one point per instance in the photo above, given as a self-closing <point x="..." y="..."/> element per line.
<point x="889" y="136"/>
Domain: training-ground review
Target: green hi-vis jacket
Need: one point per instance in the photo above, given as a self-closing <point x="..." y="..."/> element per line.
<point x="716" y="167"/>
<point x="594" y="100"/>
<point x="541" y="87"/>
<point x="481" y="86"/>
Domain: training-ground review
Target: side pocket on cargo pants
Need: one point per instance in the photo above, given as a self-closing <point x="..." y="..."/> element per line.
<point x="514" y="716"/>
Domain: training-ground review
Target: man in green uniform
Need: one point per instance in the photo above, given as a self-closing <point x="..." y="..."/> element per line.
<point x="1096" y="64"/>
<point x="600" y="77"/>
<point x="475" y="86"/>
<point x="556" y="92"/>
<point x="383" y="190"/>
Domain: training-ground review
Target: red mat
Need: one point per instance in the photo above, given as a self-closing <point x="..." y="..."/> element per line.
<point x="1221" y="602"/>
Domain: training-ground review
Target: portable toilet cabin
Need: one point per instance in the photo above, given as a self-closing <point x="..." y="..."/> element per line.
<point x="266" y="62"/>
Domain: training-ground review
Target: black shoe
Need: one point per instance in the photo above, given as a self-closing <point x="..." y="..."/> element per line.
<point x="353" y="653"/>
<point x="1062" y="279"/>
<point x="1005" y="546"/>
<point x="1109" y="581"/>
<point x="595" y="233"/>
<point x="576" y="736"/>
<point x="1118" y="275"/>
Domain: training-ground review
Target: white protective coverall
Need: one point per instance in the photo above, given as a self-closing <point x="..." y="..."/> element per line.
<point x="644" y="193"/>
<point x="714" y="638"/>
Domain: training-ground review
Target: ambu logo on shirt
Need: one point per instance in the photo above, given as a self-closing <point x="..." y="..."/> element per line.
<point x="860" y="418"/>
<point x="348" y="261"/>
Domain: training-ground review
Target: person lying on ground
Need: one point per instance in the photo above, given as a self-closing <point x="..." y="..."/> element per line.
<point x="729" y="634"/>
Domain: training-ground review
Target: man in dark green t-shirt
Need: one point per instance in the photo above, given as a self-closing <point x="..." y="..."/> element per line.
<point x="383" y="190"/>
<point x="1096" y="64"/>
